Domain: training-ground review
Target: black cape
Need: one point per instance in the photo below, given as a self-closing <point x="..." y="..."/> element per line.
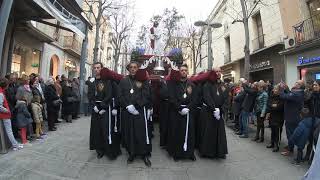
<point x="178" y="123"/>
<point x="213" y="141"/>
<point x="135" y="133"/>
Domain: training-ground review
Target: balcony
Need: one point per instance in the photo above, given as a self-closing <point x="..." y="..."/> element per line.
<point x="307" y="30"/>
<point x="72" y="46"/>
<point x="227" y="58"/>
<point x="258" y="43"/>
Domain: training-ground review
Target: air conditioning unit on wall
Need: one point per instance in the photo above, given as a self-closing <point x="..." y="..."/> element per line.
<point x="289" y="42"/>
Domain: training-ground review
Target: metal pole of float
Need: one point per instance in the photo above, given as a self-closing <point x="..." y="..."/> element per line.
<point x="83" y="58"/>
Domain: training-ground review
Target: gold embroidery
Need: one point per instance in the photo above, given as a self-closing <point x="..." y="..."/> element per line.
<point x="189" y="90"/>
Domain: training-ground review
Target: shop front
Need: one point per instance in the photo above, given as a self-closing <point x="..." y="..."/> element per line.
<point x="304" y="64"/>
<point x="267" y="65"/>
<point x="27" y="52"/>
<point x="309" y="68"/>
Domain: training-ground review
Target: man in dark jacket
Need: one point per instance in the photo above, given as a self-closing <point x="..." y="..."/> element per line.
<point x="247" y="107"/>
<point x="293" y="103"/>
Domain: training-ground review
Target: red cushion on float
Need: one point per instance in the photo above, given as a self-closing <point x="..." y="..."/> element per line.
<point x="142" y="75"/>
<point x="107" y="74"/>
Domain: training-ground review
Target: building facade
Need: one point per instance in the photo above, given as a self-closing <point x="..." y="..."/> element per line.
<point x="302" y="53"/>
<point x="266" y="41"/>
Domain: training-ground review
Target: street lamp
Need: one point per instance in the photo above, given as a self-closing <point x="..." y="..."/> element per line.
<point x="209" y="26"/>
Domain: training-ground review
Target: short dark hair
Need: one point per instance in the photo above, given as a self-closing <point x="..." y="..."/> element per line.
<point x="4" y="82"/>
<point x="98" y="63"/>
<point x="184" y="65"/>
<point x="57" y="77"/>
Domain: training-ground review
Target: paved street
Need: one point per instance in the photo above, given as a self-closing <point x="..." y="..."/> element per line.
<point x="65" y="155"/>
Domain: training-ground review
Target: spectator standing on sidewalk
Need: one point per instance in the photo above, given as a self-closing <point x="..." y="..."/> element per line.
<point x="53" y="104"/>
<point x="76" y="91"/>
<point x="247" y="107"/>
<point x="260" y="109"/>
<point x="5" y="114"/>
<point x="293" y="104"/>
<point x="276" y="108"/>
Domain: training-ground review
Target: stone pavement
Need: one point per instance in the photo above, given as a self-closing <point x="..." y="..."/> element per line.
<point x="65" y="155"/>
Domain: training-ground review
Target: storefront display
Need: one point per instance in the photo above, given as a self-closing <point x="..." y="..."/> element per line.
<point x="25" y="60"/>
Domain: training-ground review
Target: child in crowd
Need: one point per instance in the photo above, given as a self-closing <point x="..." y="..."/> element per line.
<point x="23" y="118"/>
<point x="5" y="115"/>
<point x="37" y="107"/>
<point x="301" y="134"/>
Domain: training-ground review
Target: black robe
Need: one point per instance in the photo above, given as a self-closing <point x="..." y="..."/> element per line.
<point x="197" y="117"/>
<point x="164" y="113"/>
<point x="213" y="141"/>
<point x="136" y="138"/>
<point x="178" y="122"/>
<point x="100" y="140"/>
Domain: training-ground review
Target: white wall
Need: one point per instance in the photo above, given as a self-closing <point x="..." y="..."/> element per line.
<point x="271" y="22"/>
<point x="48" y="52"/>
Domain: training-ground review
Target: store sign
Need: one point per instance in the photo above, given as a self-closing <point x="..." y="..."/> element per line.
<point x="303" y="60"/>
<point x="260" y="65"/>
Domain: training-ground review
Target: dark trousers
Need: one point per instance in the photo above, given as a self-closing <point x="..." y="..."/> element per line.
<point x="237" y="121"/>
<point x="76" y="106"/>
<point x="52" y="118"/>
<point x="290" y="129"/>
<point x="260" y="126"/>
<point x="275" y="135"/>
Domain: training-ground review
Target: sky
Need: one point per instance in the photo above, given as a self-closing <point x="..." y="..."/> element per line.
<point x="193" y="10"/>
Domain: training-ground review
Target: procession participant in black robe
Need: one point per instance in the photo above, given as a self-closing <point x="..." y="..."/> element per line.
<point x="198" y="80"/>
<point x="115" y="127"/>
<point x="134" y="97"/>
<point x="150" y="109"/>
<point x="100" y="94"/>
<point x="182" y="103"/>
<point x="213" y="136"/>
<point x="163" y="112"/>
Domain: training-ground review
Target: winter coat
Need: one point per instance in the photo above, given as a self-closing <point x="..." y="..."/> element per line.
<point x="10" y="94"/>
<point x="22" y="115"/>
<point x="76" y="91"/>
<point x="276" y="112"/>
<point x="261" y="103"/>
<point x="237" y="101"/>
<point x="52" y="97"/>
<point x="303" y="131"/>
<point x="250" y="98"/>
<point x="23" y="92"/>
<point x="37" y="112"/>
<point x="315" y="104"/>
<point x="293" y="103"/>
<point x="4" y="106"/>
<point x="68" y="100"/>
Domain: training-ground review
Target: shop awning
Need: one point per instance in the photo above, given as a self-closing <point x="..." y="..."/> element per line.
<point x="69" y="13"/>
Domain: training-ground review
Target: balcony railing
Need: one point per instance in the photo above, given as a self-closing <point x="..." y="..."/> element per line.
<point x="307" y="30"/>
<point x="71" y="43"/>
<point x="227" y="58"/>
<point x="258" y="43"/>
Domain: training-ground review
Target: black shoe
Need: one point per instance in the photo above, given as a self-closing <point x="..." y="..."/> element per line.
<point x="270" y="146"/>
<point x="238" y="133"/>
<point x="193" y="158"/>
<point x="112" y="157"/>
<point x="100" y="155"/>
<point x="255" y="139"/>
<point x="298" y="160"/>
<point x="130" y="159"/>
<point x="53" y="129"/>
<point x="175" y="159"/>
<point x="146" y="161"/>
<point x="260" y="141"/>
<point x="222" y="157"/>
<point x="275" y="149"/>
